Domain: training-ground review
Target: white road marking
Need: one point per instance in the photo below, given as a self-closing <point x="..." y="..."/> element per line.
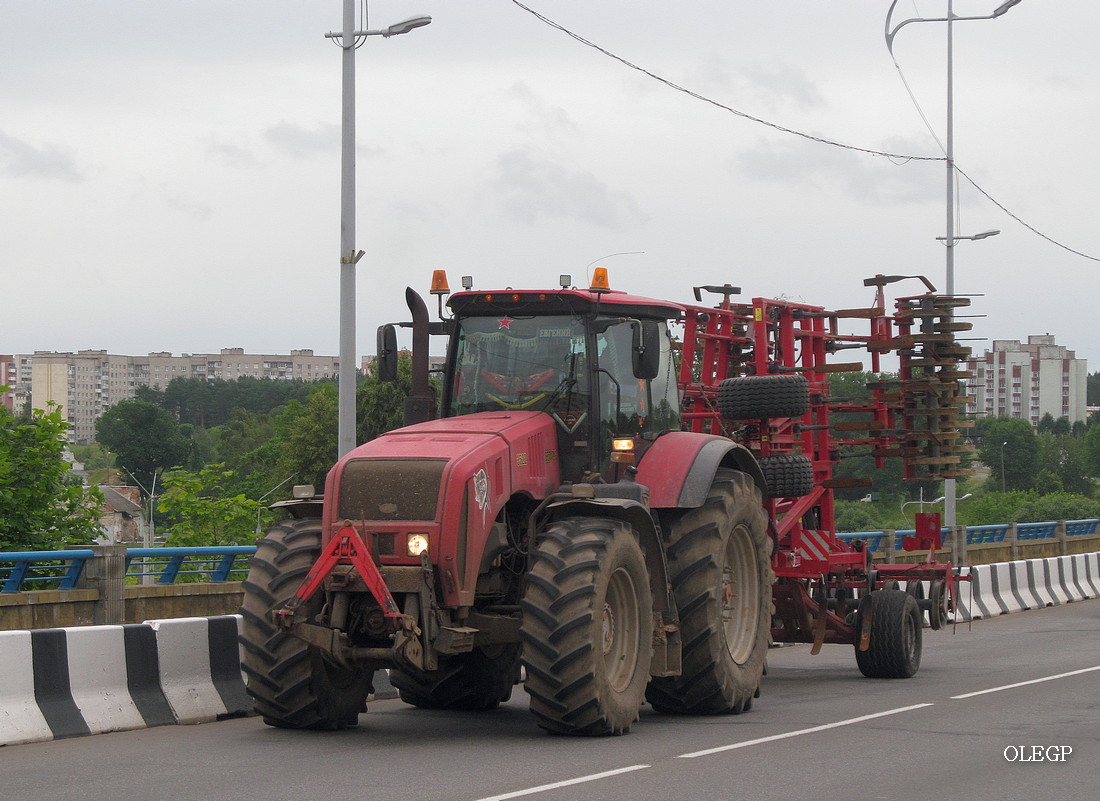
<point x="1025" y="683"/>
<point x="789" y="734"/>
<point x="581" y="780"/>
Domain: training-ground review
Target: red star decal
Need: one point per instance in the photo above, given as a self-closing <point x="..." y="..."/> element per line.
<point x="505" y="322"/>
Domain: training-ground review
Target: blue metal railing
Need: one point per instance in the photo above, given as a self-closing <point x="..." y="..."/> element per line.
<point x="872" y="540"/>
<point x="61" y="570"/>
<point x="981" y="535"/>
<point x="169" y="564"/>
<point x="41" y="569"/>
<point x="1081" y="528"/>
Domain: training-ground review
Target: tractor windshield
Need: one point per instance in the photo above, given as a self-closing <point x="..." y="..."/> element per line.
<point x="528" y="363"/>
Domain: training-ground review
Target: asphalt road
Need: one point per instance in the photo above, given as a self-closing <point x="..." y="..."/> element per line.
<point x="967" y="727"/>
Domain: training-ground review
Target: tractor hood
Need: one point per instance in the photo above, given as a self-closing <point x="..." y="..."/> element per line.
<point x="445" y="478"/>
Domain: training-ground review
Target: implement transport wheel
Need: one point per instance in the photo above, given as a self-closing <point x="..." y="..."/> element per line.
<point x="587" y="627"/>
<point x="479" y="680"/>
<point x="719" y="560"/>
<point x="937" y="604"/>
<point x="756" y="397"/>
<point x="293" y="685"/>
<point x="896" y="635"/>
<point x="788" y="475"/>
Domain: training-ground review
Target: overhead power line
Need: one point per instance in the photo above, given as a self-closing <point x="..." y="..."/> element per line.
<point x="711" y="101"/>
<point x="901" y="157"/>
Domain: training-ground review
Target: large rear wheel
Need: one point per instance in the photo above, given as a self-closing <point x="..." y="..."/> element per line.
<point x="292" y="684"/>
<point x="719" y="558"/>
<point x="587" y="627"/>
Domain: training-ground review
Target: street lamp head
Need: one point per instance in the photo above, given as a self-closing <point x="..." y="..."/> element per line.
<point x="407" y="25"/>
<point x="985" y="234"/>
<point x="1004" y="7"/>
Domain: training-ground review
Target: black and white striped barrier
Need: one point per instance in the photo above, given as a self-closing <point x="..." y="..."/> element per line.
<point x="1006" y="587"/>
<point x="68" y="682"/>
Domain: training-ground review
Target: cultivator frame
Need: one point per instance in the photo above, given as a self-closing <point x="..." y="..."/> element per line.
<point x="820" y="578"/>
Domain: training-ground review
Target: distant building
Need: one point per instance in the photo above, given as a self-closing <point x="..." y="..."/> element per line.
<point x="435" y="361"/>
<point x="122" y="517"/>
<point x="1028" y="381"/>
<point x="87" y="383"/>
<point x="7" y="379"/>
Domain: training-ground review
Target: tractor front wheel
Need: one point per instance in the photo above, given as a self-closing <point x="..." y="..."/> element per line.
<point x="293" y="685"/>
<point x="587" y="627"/>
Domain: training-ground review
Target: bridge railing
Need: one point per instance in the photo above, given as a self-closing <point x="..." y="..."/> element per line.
<point x="1001" y="542"/>
<point x="22" y="571"/>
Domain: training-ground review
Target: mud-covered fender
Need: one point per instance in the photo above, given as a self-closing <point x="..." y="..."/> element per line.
<point x="679" y="467"/>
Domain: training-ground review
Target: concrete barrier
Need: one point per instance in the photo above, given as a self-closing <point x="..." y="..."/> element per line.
<point x="69" y="682"/>
<point x="200" y="668"/>
<point x="21" y="721"/>
<point x="1091" y="569"/>
<point x="1008" y="587"/>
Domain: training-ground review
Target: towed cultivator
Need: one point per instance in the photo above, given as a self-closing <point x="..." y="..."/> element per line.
<point x="615" y="515"/>
<point x="776" y="357"/>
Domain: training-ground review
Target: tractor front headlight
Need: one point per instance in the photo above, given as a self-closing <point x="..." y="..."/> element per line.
<point x="416" y="544"/>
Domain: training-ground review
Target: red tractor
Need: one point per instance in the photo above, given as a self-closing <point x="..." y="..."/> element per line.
<point x="604" y="512"/>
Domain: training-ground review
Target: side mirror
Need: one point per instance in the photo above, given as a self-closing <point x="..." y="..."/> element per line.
<point x="645" y="351"/>
<point x="387" y="353"/>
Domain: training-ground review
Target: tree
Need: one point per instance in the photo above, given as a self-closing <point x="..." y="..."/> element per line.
<point x="146" y="438"/>
<point x="1091" y="448"/>
<point x="207" y="404"/>
<point x="991" y="508"/>
<point x="245" y="431"/>
<point x="380" y="405"/>
<point x="1092" y="389"/>
<point x="200" y="510"/>
<point x="1062" y="465"/>
<point x="42" y="505"/>
<point x="1010" y="442"/>
<point x="1057" y="506"/>
<point x="310" y="447"/>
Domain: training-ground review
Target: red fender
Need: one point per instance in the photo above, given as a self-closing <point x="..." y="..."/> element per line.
<point x="679" y="467"/>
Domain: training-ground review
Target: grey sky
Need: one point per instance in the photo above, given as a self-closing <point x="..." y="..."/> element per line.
<point x="169" y="171"/>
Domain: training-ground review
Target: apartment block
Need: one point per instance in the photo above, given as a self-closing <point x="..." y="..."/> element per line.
<point x="1028" y="381"/>
<point x="86" y="383"/>
<point x="7" y="379"/>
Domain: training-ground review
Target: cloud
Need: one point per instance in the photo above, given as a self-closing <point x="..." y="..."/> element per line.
<point x="552" y="120"/>
<point x="530" y="188"/>
<point x="784" y="82"/>
<point x="19" y="159"/>
<point x="301" y="143"/>
<point x="867" y="179"/>
<point x="197" y="209"/>
<point x="231" y="154"/>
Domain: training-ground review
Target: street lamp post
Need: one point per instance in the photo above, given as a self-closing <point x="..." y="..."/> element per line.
<point x="1003" y="466"/>
<point x="349" y="257"/>
<point x="950" y="239"/>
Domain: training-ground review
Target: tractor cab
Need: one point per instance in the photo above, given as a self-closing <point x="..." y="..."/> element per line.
<point x="599" y="362"/>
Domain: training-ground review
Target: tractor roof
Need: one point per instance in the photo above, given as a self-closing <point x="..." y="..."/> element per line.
<point x="561" y="301"/>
